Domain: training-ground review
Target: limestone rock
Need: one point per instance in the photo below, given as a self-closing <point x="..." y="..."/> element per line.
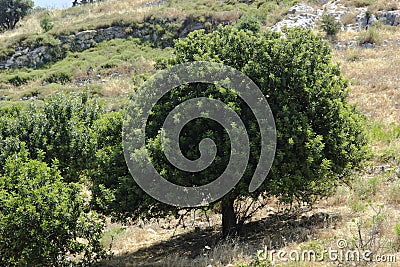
<point x="389" y="17"/>
<point x="300" y="8"/>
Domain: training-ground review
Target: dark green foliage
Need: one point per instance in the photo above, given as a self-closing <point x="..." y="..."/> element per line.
<point x="12" y="11"/>
<point x="59" y="77"/>
<point x="250" y="23"/>
<point x="114" y="190"/>
<point x="320" y="136"/>
<point x="44" y="221"/>
<point x="19" y="79"/>
<point x="62" y="128"/>
<point x="46" y="24"/>
<point x="307" y="95"/>
<point x="330" y="25"/>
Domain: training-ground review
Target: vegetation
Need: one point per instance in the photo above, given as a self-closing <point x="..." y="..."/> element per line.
<point x="46" y="24"/>
<point x="370" y="36"/>
<point x="43" y="220"/>
<point x="12" y="11"/>
<point x="248" y="23"/>
<point x="67" y="196"/>
<point x="330" y="25"/>
<point x="295" y="176"/>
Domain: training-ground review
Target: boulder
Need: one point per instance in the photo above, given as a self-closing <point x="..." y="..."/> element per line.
<point x="304" y="20"/>
<point x="391" y="18"/>
<point x="300" y="8"/>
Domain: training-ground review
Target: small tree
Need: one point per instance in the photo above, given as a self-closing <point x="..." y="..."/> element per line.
<point x="62" y="128"/>
<point x="330" y="25"/>
<point x="320" y="137"/>
<point x="44" y="221"/>
<point x="250" y="23"/>
<point x="46" y="24"/>
<point x="12" y="11"/>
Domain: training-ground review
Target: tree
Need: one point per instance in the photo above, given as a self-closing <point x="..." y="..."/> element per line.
<point x="43" y="220"/>
<point x="12" y="11"/>
<point x="62" y="128"/>
<point x="250" y="23"/>
<point x="320" y="137"/>
<point x="330" y="25"/>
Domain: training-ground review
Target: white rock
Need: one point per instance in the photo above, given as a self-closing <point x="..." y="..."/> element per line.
<point x="300" y="8"/>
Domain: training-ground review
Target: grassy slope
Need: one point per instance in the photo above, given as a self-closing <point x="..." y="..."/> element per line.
<point x="374" y="88"/>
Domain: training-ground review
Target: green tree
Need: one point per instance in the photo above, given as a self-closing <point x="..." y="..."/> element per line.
<point x="44" y="221"/>
<point x="12" y="11"/>
<point x="320" y="137"/>
<point x="46" y="24"/>
<point x="62" y="128"/>
<point x="330" y="25"/>
<point x="250" y="23"/>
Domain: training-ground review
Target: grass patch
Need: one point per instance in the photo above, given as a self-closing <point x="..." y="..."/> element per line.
<point x="119" y="55"/>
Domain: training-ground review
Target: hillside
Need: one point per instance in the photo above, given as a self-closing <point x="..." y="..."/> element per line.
<point x="108" y="49"/>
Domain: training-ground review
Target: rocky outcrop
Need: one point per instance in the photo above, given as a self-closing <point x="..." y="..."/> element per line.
<point x="161" y="33"/>
<point x="307" y="17"/>
<point x="390" y="17"/>
<point x="304" y="20"/>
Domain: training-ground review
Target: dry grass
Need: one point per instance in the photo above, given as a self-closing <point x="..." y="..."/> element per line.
<point x="161" y="244"/>
<point x="374" y="77"/>
<point x="373" y="5"/>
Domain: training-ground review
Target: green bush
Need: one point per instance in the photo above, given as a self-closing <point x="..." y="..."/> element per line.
<point x="12" y="11"/>
<point x="62" y="128"/>
<point x="59" y="77"/>
<point x="330" y="25"/>
<point x="248" y="22"/>
<point x="44" y="221"/>
<point x="19" y="79"/>
<point x="46" y="24"/>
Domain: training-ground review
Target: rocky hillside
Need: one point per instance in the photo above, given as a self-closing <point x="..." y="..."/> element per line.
<point x="162" y="30"/>
<point x="108" y="47"/>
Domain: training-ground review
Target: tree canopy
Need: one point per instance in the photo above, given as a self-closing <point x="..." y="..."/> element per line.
<point x="12" y="11"/>
<point x="320" y="136"/>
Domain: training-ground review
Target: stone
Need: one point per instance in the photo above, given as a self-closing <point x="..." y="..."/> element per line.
<point x="304" y="20"/>
<point x="339" y="47"/>
<point x="352" y="43"/>
<point x="368" y="45"/>
<point x="398" y="172"/>
<point x="391" y="17"/>
<point x="300" y="8"/>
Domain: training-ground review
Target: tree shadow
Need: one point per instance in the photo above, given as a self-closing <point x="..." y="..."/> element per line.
<point x="274" y="231"/>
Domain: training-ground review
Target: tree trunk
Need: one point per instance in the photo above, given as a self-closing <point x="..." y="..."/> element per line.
<point x="228" y="218"/>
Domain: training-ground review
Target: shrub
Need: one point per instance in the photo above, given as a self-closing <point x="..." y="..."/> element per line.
<point x="397" y="229"/>
<point x="44" y="221"/>
<point x="353" y="57"/>
<point x="370" y="36"/>
<point x="330" y="25"/>
<point x="249" y="23"/>
<point x="366" y="188"/>
<point x="394" y="193"/>
<point x="19" y="79"/>
<point x="62" y="128"/>
<point x="59" y="77"/>
<point x="46" y="24"/>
